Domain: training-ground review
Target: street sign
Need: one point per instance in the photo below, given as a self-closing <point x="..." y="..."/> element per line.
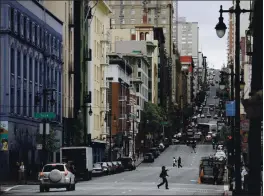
<point x="164" y="123"/>
<point x="45" y="115"/>
<point x="230" y="108"/>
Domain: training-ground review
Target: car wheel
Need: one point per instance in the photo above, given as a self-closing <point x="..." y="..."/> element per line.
<point x="47" y="189"/>
<point x="41" y="189"/>
<point x="68" y="188"/>
<point x="73" y="187"/>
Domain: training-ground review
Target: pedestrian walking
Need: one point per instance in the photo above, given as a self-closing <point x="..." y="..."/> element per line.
<point x="179" y="162"/>
<point x="163" y="176"/>
<point x="193" y="147"/>
<point x="174" y="162"/>
<point x="22" y="171"/>
<point x="215" y="173"/>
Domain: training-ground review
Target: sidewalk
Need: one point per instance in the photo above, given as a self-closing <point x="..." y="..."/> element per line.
<point x="139" y="161"/>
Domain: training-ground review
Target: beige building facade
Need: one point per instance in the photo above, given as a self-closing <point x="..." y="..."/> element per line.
<point x="99" y="40"/>
<point x="64" y="11"/>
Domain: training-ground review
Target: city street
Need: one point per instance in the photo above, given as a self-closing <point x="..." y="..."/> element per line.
<point x="144" y="180"/>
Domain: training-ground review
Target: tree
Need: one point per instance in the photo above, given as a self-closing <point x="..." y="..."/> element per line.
<point x="154" y="115"/>
<point x="52" y="143"/>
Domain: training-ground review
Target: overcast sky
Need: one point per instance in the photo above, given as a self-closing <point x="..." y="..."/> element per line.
<point x="206" y="13"/>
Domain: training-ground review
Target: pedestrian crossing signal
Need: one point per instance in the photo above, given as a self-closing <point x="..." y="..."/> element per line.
<point x="229" y="137"/>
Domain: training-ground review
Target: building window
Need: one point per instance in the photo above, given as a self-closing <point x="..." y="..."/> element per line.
<point x="164" y="30"/>
<point x="30" y="69"/>
<point x="18" y="64"/>
<point x="33" y="32"/>
<point x="132" y="21"/>
<point x="21" y="25"/>
<point x="48" y="75"/>
<point x="12" y="100"/>
<point x="12" y="61"/>
<point x="18" y="105"/>
<point x="137" y="101"/>
<point x="30" y="104"/>
<point x="137" y="88"/>
<point x="27" y="29"/>
<point x="122" y="21"/>
<point x="25" y="103"/>
<point x="36" y="71"/>
<point x="18" y="22"/>
<point x="164" y="21"/>
<point x="141" y="21"/>
<point x="149" y="19"/>
<point x="25" y="66"/>
<point x="59" y="82"/>
<point x="139" y="74"/>
<point x="15" y="21"/>
<point x="137" y="113"/>
<point x="40" y="73"/>
<point x="132" y="12"/>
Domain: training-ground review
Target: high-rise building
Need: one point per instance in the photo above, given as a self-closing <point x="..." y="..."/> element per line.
<point x="188" y="38"/>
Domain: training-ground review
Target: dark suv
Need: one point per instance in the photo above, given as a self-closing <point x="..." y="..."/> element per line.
<point x="127" y="162"/>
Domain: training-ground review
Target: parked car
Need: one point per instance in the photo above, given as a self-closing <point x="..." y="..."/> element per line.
<point x="121" y="166"/>
<point x="98" y="170"/>
<point x="112" y="168"/>
<point x="56" y="175"/>
<point x="149" y="158"/>
<point x="117" y="167"/>
<point x="211" y="109"/>
<point x="216" y="116"/>
<point x="105" y="167"/>
<point x="202" y="116"/>
<point x="154" y="151"/>
<point x="127" y="162"/>
<point x="208" y="116"/>
<point x="161" y="147"/>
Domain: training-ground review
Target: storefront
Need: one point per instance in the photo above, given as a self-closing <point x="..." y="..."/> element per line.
<point x="99" y="148"/>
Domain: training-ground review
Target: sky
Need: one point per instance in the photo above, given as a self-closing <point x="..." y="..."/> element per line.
<point x="206" y="13"/>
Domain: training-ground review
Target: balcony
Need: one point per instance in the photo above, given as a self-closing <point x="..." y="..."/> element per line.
<point x="122" y="98"/>
<point x="104" y="61"/>
<point x="105" y="107"/>
<point x="104" y="85"/>
<point x="136" y="80"/>
<point x="122" y="116"/>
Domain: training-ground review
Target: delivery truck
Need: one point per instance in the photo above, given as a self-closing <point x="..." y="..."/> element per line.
<point x="81" y="158"/>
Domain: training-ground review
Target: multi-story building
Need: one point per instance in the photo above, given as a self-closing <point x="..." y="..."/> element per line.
<point x="31" y="77"/>
<point x="187" y="68"/>
<point x="64" y="11"/>
<point x="118" y="96"/>
<point x="141" y="71"/>
<point x="142" y="33"/>
<point x="188" y="38"/>
<point x="156" y="13"/>
<point x="99" y="43"/>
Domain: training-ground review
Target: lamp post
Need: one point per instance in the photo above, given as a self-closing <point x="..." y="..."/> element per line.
<point x="220" y="31"/>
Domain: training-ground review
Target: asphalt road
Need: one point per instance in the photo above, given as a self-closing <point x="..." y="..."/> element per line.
<point x="211" y="100"/>
<point x="144" y="180"/>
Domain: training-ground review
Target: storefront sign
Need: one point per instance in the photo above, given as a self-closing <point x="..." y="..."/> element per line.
<point x="3" y="135"/>
<point x="244" y="124"/>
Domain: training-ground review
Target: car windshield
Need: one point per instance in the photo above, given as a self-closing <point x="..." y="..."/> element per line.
<point x="97" y="165"/>
<point x="49" y="168"/>
<point x="109" y="163"/>
<point x="119" y="162"/>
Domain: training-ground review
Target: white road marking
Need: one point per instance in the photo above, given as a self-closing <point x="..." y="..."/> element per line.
<point x="10" y="188"/>
<point x="124" y="192"/>
<point x="129" y="190"/>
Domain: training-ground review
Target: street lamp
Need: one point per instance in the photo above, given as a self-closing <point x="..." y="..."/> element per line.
<point x="90" y="110"/>
<point x="220" y="30"/>
<point x="222" y="85"/>
<point x="220" y="27"/>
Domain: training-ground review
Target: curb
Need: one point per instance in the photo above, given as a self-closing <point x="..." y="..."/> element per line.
<point x="14" y="184"/>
